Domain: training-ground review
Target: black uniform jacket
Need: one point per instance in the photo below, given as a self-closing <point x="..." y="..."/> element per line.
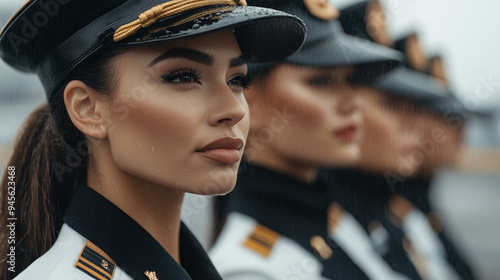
<point x="114" y="242"/>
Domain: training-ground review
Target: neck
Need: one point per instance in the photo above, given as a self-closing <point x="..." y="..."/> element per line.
<point x="156" y="208"/>
<point x="266" y="157"/>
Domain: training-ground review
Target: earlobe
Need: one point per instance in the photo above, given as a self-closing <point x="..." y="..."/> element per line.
<point x="85" y="109"/>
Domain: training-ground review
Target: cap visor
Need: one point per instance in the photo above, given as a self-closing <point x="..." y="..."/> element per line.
<point x="411" y="84"/>
<point x="371" y="59"/>
<point x="263" y="34"/>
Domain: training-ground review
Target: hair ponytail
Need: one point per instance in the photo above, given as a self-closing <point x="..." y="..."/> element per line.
<point x="49" y="160"/>
<point x="36" y="200"/>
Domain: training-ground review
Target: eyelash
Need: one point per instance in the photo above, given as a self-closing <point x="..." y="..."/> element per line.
<point x="244" y="80"/>
<point x="324" y="81"/>
<point x="180" y="73"/>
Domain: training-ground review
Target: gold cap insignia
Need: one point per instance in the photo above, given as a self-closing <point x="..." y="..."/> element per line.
<point x="151" y="275"/>
<point x="322" y="9"/>
<point x="437" y="70"/>
<point x="376" y="24"/>
<point x="415" y="53"/>
<point x="167" y="9"/>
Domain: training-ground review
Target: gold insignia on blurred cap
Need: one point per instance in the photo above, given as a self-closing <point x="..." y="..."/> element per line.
<point x="415" y="54"/>
<point x="376" y="24"/>
<point x="151" y="275"/>
<point x="437" y="70"/>
<point x="322" y="9"/>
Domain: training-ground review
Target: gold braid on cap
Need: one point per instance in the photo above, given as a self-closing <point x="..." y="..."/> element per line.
<point x="165" y="10"/>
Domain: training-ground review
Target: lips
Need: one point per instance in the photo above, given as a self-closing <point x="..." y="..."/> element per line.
<point x="225" y="150"/>
<point x="347" y="133"/>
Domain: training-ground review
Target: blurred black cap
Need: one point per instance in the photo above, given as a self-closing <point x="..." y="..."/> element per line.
<point x="327" y="44"/>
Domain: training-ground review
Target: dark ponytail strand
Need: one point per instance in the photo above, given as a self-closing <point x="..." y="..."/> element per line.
<point x="50" y="158"/>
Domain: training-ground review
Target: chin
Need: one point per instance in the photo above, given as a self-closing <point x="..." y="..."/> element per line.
<point x="346" y="156"/>
<point x="213" y="190"/>
<point x="217" y="183"/>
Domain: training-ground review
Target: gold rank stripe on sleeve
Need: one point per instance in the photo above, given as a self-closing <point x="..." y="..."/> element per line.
<point x="95" y="263"/>
<point x="262" y="240"/>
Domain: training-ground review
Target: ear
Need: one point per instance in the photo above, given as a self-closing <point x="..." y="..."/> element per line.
<point x="86" y="109"/>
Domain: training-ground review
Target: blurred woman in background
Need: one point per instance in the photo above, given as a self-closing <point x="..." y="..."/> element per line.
<point x="396" y="115"/>
<point x="305" y="114"/>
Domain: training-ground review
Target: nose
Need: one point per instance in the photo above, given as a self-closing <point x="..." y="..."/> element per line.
<point x="350" y="100"/>
<point x="229" y="108"/>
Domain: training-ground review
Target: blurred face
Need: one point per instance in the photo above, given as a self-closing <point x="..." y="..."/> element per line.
<point x="443" y="142"/>
<point x="304" y="117"/>
<point x="178" y="117"/>
<point x="392" y="133"/>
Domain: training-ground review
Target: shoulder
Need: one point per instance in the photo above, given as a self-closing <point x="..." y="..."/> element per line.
<point x="64" y="258"/>
<point x="247" y="250"/>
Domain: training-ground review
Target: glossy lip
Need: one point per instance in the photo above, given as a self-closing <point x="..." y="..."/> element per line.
<point x="348" y="132"/>
<point x="225" y="150"/>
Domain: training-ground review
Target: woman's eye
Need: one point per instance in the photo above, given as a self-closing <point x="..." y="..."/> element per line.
<point x="394" y="104"/>
<point x="183" y="77"/>
<point x="240" y="81"/>
<point x="321" y="82"/>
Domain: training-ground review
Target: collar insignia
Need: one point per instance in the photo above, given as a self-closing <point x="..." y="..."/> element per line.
<point x="261" y="240"/>
<point x="95" y="263"/>
<point x="151" y="275"/>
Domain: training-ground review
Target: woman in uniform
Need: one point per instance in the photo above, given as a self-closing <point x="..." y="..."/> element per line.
<point x="447" y="120"/>
<point x="305" y="113"/>
<point x="393" y="150"/>
<point x="145" y="103"/>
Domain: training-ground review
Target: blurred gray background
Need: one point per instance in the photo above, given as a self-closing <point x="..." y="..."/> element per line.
<point x="464" y="32"/>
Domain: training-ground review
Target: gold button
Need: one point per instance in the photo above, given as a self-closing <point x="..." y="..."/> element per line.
<point x="319" y="244"/>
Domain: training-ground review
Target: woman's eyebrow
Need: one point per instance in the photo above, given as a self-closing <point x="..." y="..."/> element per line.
<point x="190" y="54"/>
<point x="238" y="61"/>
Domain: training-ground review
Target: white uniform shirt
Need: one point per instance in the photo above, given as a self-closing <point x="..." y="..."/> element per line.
<point x="237" y="259"/>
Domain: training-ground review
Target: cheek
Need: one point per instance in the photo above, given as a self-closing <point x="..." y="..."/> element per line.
<point x="152" y="131"/>
<point x="379" y="128"/>
<point x="244" y="125"/>
<point x="311" y="108"/>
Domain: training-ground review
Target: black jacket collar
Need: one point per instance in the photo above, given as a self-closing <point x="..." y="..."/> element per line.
<point x="416" y="190"/>
<point x="292" y="208"/>
<point x="363" y="194"/>
<point x="130" y="245"/>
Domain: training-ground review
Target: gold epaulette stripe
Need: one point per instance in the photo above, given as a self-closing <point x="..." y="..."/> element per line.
<point x="95" y="263"/>
<point x="262" y="240"/>
<point x="95" y="267"/>
<point x="91" y="272"/>
<point x="263" y="234"/>
<point x="167" y="9"/>
<point x="265" y="231"/>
